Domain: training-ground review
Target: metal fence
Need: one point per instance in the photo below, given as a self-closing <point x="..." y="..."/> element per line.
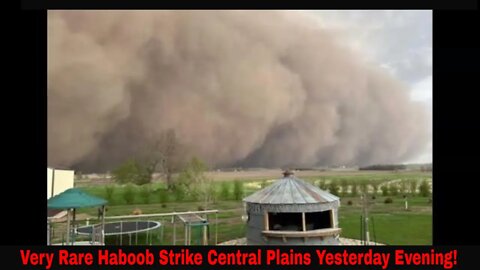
<point x="172" y="229"/>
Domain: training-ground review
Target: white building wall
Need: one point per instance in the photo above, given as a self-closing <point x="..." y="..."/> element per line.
<point x="49" y="183"/>
<point x="60" y="179"/>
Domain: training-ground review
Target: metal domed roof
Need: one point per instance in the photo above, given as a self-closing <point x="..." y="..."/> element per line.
<point x="291" y="190"/>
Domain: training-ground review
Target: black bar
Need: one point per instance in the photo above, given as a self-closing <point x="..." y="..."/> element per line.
<point x="279" y="4"/>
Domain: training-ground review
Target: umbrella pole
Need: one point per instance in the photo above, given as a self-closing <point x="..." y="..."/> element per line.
<point x="74" y="212"/>
<point x="68" y="226"/>
<point x="102" y="238"/>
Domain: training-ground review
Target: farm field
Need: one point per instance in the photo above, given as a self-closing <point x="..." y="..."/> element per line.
<point x="390" y="223"/>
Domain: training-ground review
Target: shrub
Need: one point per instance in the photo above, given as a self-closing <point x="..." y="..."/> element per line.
<point x="354" y="189"/>
<point x="424" y="188"/>
<point x="364" y="187"/>
<point x="413" y="186"/>
<point x="334" y="188"/>
<point x="322" y="185"/>
<point x="225" y="191"/>
<point x="145" y="194"/>
<point x="129" y="194"/>
<point x="344" y="185"/>
<point x="213" y="193"/>
<point x="374" y="187"/>
<point x="393" y="189"/>
<point x="263" y="184"/>
<point x="162" y="196"/>
<point x="388" y="200"/>
<point x="384" y="189"/>
<point x="109" y="190"/>
<point x="238" y="190"/>
<point x="132" y="171"/>
<point x="403" y="186"/>
<point x="179" y="193"/>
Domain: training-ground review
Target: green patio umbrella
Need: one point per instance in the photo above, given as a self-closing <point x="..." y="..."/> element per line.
<point x="72" y="199"/>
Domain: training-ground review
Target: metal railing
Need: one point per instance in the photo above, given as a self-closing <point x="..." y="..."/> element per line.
<point x="57" y="230"/>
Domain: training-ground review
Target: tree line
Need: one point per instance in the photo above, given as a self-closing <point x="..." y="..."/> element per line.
<point x="184" y="174"/>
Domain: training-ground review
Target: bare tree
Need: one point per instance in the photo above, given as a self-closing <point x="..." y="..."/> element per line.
<point x="173" y="156"/>
<point x="166" y="155"/>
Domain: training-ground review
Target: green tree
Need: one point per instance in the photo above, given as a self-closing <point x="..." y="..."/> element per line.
<point x="225" y="191"/>
<point x="374" y="187"/>
<point x="344" y="184"/>
<point x="163" y="196"/>
<point x="424" y="188"/>
<point x="145" y="192"/>
<point x="384" y="189"/>
<point x="393" y="189"/>
<point x="129" y="193"/>
<point x="263" y="184"/>
<point x="109" y="190"/>
<point x="354" y="189"/>
<point x="179" y="192"/>
<point x="238" y="190"/>
<point x="322" y="184"/>
<point x="403" y="187"/>
<point x="133" y="172"/>
<point x="334" y="188"/>
<point x="196" y="183"/>
<point x="364" y="187"/>
<point x="413" y="186"/>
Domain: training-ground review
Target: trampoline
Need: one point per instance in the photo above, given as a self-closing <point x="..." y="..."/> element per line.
<point x="121" y="228"/>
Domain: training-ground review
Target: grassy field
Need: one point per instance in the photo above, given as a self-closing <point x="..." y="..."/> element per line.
<point x="389" y="223"/>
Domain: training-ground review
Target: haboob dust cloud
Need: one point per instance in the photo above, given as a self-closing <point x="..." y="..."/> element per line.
<point x="248" y="88"/>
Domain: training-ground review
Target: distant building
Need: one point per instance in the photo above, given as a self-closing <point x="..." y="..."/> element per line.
<point x="58" y="180"/>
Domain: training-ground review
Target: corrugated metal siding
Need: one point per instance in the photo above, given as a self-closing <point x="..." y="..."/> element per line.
<point x="291" y="190"/>
<point x="291" y="208"/>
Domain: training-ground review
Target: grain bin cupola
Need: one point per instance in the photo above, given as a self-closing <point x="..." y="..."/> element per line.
<point x="292" y="212"/>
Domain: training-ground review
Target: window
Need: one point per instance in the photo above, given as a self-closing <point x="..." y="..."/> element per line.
<point x="318" y="220"/>
<point x="285" y="221"/>
<point x="294" y="222"/>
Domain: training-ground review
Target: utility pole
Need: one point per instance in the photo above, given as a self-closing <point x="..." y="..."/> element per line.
<point x="365" y="221"/>
<point x="406" y="202"/>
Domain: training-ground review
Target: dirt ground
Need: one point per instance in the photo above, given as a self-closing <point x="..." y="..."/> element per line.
<point x="277" y="173"/>
<point x="252" y="174"/>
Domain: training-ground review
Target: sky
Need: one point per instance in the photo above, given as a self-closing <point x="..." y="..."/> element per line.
<point x="399" y="41"/>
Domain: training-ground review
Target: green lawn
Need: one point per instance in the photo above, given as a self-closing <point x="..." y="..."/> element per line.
<point x="389" y="223"/>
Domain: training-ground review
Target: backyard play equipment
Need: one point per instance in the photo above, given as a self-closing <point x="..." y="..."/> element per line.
<point x="72" y="199"/>
<point x="121" y="228"/>
<point x="195" y="228"/>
